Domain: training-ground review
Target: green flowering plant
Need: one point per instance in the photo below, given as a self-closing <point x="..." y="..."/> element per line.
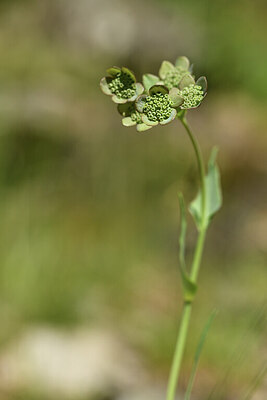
<point x="156" y="107"/>
<point x="169" y="75"/>
<point x="159" y="101"/>
<point x="121" y="85"/>
<point x="132" y="117"/>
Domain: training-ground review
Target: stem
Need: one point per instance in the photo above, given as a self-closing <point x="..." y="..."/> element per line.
<point x="187" y="307"/>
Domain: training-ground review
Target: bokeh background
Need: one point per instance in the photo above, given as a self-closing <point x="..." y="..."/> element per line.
<point x="90" y="296"/>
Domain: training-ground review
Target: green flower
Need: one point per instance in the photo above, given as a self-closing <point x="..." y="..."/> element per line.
<point x="169" y="75"/>
<point x="192" y="93"/>
<point x="158" y="106"/>
<point x="132" y="117"/>
<point x="121" y="85"/>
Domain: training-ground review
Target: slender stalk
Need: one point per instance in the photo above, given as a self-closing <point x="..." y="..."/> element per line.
<point x="187" y="307"/>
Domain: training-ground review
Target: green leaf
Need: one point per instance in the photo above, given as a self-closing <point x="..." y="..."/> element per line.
<point x="104" y="85"/>
<point x="213" y="195"/>
<point x="175" y="97"/>
<point x="128" y="72"/>
<point x="158" y="89"/>
<point x="182" y="62"/>
<point x="127" y="121"/>
<point x="139" y="88"/>
<point x="202" y="81"/>
<point x="114" y="71"/>
<point x="199" y="349"/>
<point x="142" y="127"/>
<point x="165" y="67"/>
<point x="140" y="103"/>
<point x="150" y="80"/>
<point x="189" y="287"/>
<point x="186" y="81"/>
<point x="147" y="121"/>
<point x="170" y="119"/>
<point x="125" y="109"/>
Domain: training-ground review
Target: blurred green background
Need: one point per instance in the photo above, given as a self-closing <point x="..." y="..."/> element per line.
<point x="89" y="210"/>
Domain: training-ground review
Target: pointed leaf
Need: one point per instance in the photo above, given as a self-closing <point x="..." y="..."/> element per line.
<point x="165" y="67"/>
<point x="213" y="195"/>
<point x="182" y="62"/>
<point x="150" y="80"/>
<point x="197" y="355"/>
<point x="202" y="81"/>
<point x="189" y="287"/>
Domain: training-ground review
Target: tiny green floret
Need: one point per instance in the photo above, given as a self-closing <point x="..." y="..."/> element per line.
<point x="192" y="96"/>
<point x="123" y="86"/>
<point x="173" y="78"/>
<point x="158" y="107"/>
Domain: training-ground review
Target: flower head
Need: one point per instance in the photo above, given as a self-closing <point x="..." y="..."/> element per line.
<point x="191" y="92"/>
<point x="171" y="75"/>
<point x="156" y="107"/>
<point x="121" y="85"/>
<point x="132" y="117"/>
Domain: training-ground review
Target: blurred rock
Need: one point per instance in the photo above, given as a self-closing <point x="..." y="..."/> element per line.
<point x="71" y="364"/>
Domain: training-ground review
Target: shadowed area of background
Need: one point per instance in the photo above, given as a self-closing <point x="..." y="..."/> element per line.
<point x="90" y="296"/>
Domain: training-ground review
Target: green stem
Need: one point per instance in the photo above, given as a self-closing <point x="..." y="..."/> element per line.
<point x="187" y="307"/>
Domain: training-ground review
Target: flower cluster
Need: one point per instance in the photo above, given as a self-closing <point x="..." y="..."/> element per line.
<point x="159" y="99"/>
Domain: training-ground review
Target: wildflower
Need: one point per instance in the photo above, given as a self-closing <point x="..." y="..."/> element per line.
<point x="121" y="85"/>
<point x="191" y="92"/>
<point x="132" y="117"/>
<point x="158" y="107"/>
<point x="169" y="75"/>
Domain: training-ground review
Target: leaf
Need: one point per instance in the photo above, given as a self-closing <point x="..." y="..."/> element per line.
<point x="147" y="121"/>
<point x="187" y="80"/>
<point x="127" y="121"/>
<point x="213" y="195"/>
<point x="150" y="80"/>
<point x="202" y="81"/>
<point x="175" y="97"/>
<point x="165" y="68"/>
<point x="182" y="62"/>
<point x="142" y="127"/>
<point x="140" y="103"/>
<point x="189" y="287"/>
<point x="104" y="85"/>
<point x="114" y="71"/>
<point x="199" y="349"/>
<point x="128" y="72"/>
<point x="158" y="89"/>
<point x="170" y="119"/>
<point x="125" y="109"/>
<point x="139" y="88"/>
